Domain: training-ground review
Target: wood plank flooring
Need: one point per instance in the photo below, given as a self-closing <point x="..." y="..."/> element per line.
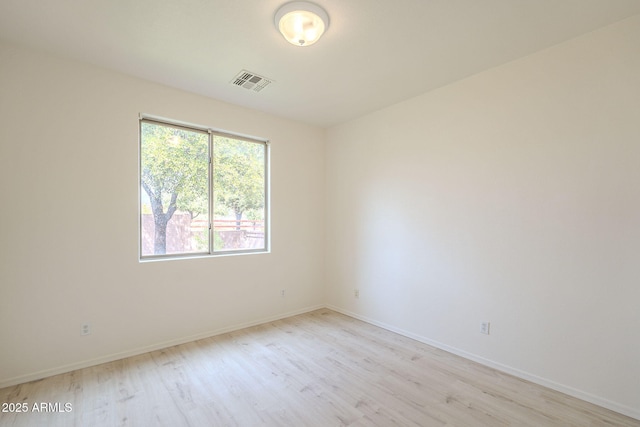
<point x="317" y="369"/>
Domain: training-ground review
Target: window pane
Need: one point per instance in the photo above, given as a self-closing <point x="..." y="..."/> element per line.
<point x="174" y="165"/>
<point x="239" y="191"/>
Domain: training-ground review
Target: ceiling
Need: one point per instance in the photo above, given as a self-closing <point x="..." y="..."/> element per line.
<point x="374" y="54"/>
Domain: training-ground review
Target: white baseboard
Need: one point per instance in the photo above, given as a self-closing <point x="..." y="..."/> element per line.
<point x="146" y="349"/>
<point x="596" y="400"/>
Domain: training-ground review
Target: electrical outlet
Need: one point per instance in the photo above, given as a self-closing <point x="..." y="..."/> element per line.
<point x="484" y="327"/>
<point x="85" y="329"/>
<point x="282" y="292"/>
<point x="356" y="293"/>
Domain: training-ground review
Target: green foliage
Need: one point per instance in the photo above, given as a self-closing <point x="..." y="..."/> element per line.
<point x="238" y="169"/>
<point x="175" y="177"/>
<point x="217" y="240"/>
<point x="175" y="161"/>
<point x="174" y="165"/>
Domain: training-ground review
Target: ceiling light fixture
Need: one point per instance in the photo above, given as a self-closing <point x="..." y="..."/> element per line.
<point x="301" y="23"/>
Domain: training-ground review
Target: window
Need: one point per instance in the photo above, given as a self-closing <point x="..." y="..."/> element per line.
<point x="202" y="192"/>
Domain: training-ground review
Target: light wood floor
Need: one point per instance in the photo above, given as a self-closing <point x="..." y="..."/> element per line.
<point x="316" y="369"/>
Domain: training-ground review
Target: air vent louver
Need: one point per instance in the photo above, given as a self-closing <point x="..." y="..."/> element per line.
<point x="251" y="81"/>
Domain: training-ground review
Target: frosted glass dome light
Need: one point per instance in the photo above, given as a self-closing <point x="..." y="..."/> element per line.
<point x="301" y="23"/>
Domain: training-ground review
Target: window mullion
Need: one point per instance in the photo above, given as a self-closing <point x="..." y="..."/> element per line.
<point x="211" y="195"/>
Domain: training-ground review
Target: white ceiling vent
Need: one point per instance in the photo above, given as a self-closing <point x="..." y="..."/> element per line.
<point x="251" y="81"/>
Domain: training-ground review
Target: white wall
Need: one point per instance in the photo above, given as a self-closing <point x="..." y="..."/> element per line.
<point x="512" y="197"/>
<point x="69" y="227"/>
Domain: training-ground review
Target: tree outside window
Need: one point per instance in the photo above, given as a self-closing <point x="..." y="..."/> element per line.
<point x="201" y="192"/>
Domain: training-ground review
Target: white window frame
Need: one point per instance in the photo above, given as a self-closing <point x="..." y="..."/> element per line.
<point x="211" y="132"/>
